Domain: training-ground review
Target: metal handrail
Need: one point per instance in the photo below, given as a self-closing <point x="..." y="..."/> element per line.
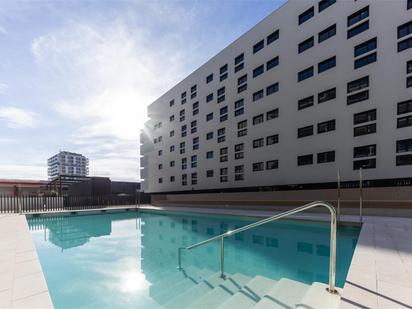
<point x="332" y="260"/>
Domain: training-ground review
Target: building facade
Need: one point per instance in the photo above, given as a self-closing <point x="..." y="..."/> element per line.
<point x="68" y="164"/>
<point x="315" y="88"/>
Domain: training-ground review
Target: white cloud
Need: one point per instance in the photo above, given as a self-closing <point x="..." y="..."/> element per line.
<point x="19" y="171"/>
<point x="18" y="118"/>
<point x="3" y="88"/>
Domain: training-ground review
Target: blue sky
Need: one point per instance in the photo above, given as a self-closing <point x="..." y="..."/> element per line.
<point x="78" y="75"/>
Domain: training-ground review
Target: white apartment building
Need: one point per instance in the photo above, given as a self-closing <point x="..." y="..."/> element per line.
<point x="315" y="87"/>
<point x="67" y="163"/>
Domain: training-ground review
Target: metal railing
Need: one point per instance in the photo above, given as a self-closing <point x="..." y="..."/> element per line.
<point x="332" y="259"/>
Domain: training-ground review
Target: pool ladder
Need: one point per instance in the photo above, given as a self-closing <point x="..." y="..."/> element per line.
<point x="332" y="259"/>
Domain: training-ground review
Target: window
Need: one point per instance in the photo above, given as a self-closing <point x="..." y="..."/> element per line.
<point x="172" y="148"/>
<point x="358" y="29"/>
<point x="327" y="33"/>
<point x="239" y="170"/>
<point x="239" y="154"/>
<point x="172" y="163"/>
<point x="324" y="4"/>
<point x="160" y="152"/>
<point x="326" y="95"/>
<point x="242" y="128"/>
<point x="358" y="97"/>
<point x="172" y="118"/>
<point x="209" y="116"/>
<point x="305" y="102"/>
<point x="257" y="143"/>
<point x="183" y="131"/>
<point x="272" y="139"/>
<point x="258" y="166"/>
<point x="160" y="180"/>
<point x="209" y="154"/>
<point x="326" y="126"/>
<point x="274" y="113"/>
<point x="272" y="164"/>
<point x="404" y="145"/>
<point x="193" y="161"/>
<point x="306" y="44"/>
<point x="223" y="69"/>
<point x="239" y="107"/>
<point x="404" y="159"/>
<point x="194" y="178"/>
<point x="272" y="63"/>
<point x="305" y="160"/>
<point x="405" y="44"/>
<point x="326" y="64"/>
<point x="182" y="147"/>
<point x="209" y="135"/>
<point x="365" y="47"/>
<point x="171" y="103"/>
<point x="184" y="180"/>
<point x="358" y="16"/>
<point x="358" y="84"/>
<point x="258" y="46"/>
<point x="209" y="78"/>
<point x="364" y="151"/>
<point x="272" y="37"/>
<point x="365" y="60"/>
<point x="366" y="116"/>
<point x="242" y="88"/>
<point x="404" y="122"/>
<point x="239" y="59"/>
<point x="258" y="95"/>
<point x="172" y="178"/>
<point x="305" y="131"/>
<point x="325" y="157"/>
<point x="221" y="135"/>
<point x="195" y="108"/>
<point x="304" y="74"/>
<point x="409" y="82"/>
<point x="404" y="30"/>
<point x="172" y="133"/>
<point x="409" y="4"/>
<point x="223" y="174"/>
<point x="184" y="163"/>
<point x="160" y="166"/>
<point x="221" y="91"/>
<point x="241" y="80"/>
<point x="404" y="107"/>
<point x="221" y="99"/>
<point x="365" y="164"/>
<point x="308" y="14"/>
<point x="272" y="88"/>
<point x="209" y="97"/>
<point x="363" y="130"/>
<point x="209" y="173"/>
<point x="193" y="127"/>
<point x="223" y="77"/>
<point x="259" y="70"/>
<point x="258" y="119"/>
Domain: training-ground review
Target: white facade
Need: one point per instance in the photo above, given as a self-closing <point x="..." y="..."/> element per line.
<point x="379" y="75"/>
<point x="67" y="163"/>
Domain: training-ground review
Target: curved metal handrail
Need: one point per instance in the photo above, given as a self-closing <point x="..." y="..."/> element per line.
<point x="332" y="260"/>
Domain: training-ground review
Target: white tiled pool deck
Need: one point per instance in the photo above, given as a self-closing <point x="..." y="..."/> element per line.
<point x="380" y="275"/>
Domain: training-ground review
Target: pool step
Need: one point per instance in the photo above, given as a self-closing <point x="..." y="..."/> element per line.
<point x="318" y="297"/>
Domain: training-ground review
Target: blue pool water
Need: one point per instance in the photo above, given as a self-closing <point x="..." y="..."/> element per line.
<point x="120" y="260"/>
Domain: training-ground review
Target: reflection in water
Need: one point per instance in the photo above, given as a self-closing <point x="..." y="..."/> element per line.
<point x="129" y="259"/>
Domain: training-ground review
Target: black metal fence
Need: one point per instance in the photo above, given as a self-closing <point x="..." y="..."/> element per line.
<point x="25" y="204"/>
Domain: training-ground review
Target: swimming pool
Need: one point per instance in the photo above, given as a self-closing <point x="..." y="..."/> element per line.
<point x="129" y="259"/>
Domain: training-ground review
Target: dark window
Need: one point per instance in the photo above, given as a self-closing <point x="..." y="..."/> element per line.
<point x="405" y="44"/>
<point x="404" y="122"/>
<point x="364" y="151"/>
<point x="241" y="80"/>
<point x="242" y="124"/>
<point x="325" y="157"/>
<point x="409" y="4"/>
<point x="327" y="33"/>
<point x="274" y="113"/>
<point x="209" y="135"/>
<point x="259" y="70"/>
<point x="209" y="116"/>
<point x="172" y="178"/>
<point x="258" y="95"/>
<point x="358" y="97"/>
<point x="324" y="4"/>
<point x="404" y="107"/>
<point x="305" y="160"/>
<point x="305" y="102"/>
<point x="366" y="116"/>
<point x="308" y="14"/>
<point x="223" y="69"/>
<point x="305" y="131"/>
<point x="258" y="119"/>
<point x="304" y="74"/>
<point x="326" y="126"/>
<point x="223" y="77"/>
<point x="272" y="89"/>
<point x="363" y="130"/>
<point x="272" y="63"/>
<point x="239" y="59"/>
<point x="209" y="173"/>
<point x="209" y="97"/>
<point x="272" y="37"/>
<point x="171" y="103"/>
<point x="365" y="47"/>
<point x="220" y="99"/>
<point x="221" y="91"/>
<point x="358" y="84"/>
<point x="358" y="16"/>
<point x="326" y="64"/>
<point x="306" y="44"/>
<point x="257" y="167"/>
<point x="257" y="143"/>
<point x="258" y="46"/>
<point x="365" y="164"/>
<point x="221" y="131"/>
<point x="209" y="78"/>
<point x="223" y="110"/>
<point x="365" y="60"/>
<point x="404" y="145"/>
<point x="239" y="67"/>
<point x="409" y="82"/>
<point x="409" y="67"/>
<point x="272" y="164"/>
<point x="273" y="139"/>
<point x="404" y="30"/>
<point x="183" y="95"/>
<point x="209" y="154"/>
<point x="358" y="29"/>
<point x="404" y="160"/>
<point x="327" y="95"/>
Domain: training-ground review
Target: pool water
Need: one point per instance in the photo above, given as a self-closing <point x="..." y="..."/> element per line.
<point x="119" y="260"/>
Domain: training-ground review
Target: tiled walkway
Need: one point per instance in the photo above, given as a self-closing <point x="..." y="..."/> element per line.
<point x="22" y="284"/>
